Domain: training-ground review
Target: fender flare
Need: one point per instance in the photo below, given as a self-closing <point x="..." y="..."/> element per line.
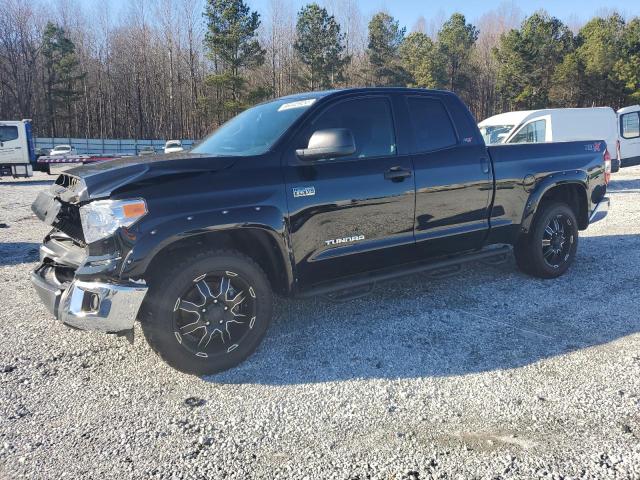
<point x="571" y="177"/>
<point x="267" y="219"/>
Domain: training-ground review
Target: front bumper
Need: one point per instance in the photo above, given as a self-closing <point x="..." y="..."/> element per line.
<point x="601" y="210"/>
<point x="104" y="307"/>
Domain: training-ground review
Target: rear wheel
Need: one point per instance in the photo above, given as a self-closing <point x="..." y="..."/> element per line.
<point x="209" y="312"/>
<point x="549" y="249"/>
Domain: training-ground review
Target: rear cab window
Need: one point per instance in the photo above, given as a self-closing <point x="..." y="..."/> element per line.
<point x="431" y="125"/>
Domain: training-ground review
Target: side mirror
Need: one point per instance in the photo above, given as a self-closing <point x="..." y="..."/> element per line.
<point x="329" y="143"/>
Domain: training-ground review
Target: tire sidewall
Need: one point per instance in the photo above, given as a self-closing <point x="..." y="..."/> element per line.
<point x="158" y="323"/>
<point x="549" y="211"/>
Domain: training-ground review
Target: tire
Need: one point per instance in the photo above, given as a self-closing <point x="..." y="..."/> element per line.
<point x="549" y="249"/>
<point x="208" y="312"/>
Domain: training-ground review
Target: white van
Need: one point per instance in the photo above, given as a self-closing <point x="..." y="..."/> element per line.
<point x="620" y="130"/>
<point x="629" y="127"/>
<point x="17" y="151"/>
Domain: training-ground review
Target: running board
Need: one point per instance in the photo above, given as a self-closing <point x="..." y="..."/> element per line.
<point x="353" y="282"/>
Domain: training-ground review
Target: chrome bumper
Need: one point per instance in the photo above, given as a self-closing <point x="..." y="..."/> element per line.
<point x="103" y="307"/>
<point x="600" y="211"/>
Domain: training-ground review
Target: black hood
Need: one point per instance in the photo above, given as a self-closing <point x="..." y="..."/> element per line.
<point x="100" y="179"/>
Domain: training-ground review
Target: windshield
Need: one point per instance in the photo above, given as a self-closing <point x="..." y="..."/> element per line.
<point x="493" y="134"/>
<point x="255" y="130"/>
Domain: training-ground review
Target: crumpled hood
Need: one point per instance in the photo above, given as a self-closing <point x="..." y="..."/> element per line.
<point x="100" y="179"/>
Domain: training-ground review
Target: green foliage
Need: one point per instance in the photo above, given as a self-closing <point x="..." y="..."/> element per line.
<point x="385" y="39"/>
<point x="61" y="74"/>
<point x="421" y="59"/>
<point x="455" y="43"/>
<point x="600" y="48"/>
<point x="233" y="47"/>
<point x="528" y="59"/>
<point x="320" y="47"/>
<point x="567" y="89"/>
<point x="627" y="68"/>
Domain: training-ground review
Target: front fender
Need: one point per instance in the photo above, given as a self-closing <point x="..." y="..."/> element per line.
<point x="151" y="243"/>
<point x="540" y="188"/>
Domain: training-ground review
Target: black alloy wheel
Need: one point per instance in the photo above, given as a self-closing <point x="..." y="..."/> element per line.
<point x="214" y="314"/>
<point x="557" y="240"/>
<point x="207" y="311"/>
<point x="550" y="246"/>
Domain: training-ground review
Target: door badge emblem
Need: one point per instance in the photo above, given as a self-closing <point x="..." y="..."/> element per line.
<point x="304" y="192"/>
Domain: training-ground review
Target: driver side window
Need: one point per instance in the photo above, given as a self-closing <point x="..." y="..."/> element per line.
<point x="370" y="123"/>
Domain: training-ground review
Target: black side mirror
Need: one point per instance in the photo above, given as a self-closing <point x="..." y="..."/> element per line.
<point x="329" y="143"/>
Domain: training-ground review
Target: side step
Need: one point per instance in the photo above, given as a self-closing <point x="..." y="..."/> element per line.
<point x="353" y="282"/>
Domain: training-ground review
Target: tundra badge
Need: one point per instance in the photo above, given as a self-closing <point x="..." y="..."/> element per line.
<point x="338" y="241"/>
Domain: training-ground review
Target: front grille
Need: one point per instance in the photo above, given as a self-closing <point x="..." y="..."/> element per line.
<point x="67" y="181"/>
<point x="68" y="221"/>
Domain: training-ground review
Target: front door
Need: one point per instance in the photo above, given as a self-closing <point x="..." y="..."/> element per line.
<point x="355" y="213"/>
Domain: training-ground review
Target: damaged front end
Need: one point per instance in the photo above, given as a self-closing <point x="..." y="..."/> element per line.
<point x="78" y="282"/>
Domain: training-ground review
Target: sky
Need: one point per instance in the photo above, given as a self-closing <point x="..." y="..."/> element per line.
<point x="408" y="11"/>
<point x="572" y="12"/>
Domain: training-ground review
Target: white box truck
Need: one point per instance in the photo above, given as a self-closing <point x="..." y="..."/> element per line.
<point x="620" y="130"/>
<point x="17" y="149"/>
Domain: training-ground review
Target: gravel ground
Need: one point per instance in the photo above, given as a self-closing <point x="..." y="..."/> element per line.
<point x="486" y="374"/>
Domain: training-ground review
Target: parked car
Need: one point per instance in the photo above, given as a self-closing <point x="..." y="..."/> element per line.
<point x="173" y="146"/>
<point x="62" y="150"/>
<point x="146" y="150"/>
<point x="619" y="130"/>
<point x="310" y="194"/>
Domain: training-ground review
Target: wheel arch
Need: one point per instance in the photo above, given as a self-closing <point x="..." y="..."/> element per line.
<point x="254" y="242"/>
<point x="259" y="233"/>
<point x="571" y="191"/>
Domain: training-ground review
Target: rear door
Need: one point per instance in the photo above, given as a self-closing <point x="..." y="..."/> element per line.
<point x="12" y="144"/>
<point x="454" y="182"/>
<point x="629" y="125"/>
<point x="351" y="214"/>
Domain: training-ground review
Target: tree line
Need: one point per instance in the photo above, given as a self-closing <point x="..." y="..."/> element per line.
<point x="180" y="68"/>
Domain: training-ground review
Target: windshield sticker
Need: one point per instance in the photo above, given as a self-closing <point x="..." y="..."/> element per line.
<point x="298" y="104"/>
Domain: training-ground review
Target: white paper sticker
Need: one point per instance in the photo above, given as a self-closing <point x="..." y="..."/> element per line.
<point x="298" y="104"/>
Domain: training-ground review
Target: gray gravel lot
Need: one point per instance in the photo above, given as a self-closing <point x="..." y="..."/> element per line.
<point x="486" y="374"/>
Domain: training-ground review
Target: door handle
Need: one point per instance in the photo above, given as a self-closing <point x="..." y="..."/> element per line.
<point x="484" y="164"/>
<point x="397" y="174"/>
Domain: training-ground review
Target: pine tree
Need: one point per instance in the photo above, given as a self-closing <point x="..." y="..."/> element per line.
<point x="456" y="39"/>
<point x="528" y="58"/>
<point x="627" y="68"/>
<point x="421" y="59"/>
<point x="320" y="47"/>
<point x="60" y="76"/>
<point x="385" y="39"/>
<point x="233" y="47"/>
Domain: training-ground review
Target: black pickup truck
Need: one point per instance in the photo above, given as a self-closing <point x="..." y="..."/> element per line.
<point x="317" y="193"/>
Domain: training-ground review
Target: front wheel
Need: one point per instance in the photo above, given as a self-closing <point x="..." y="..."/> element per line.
<point x="209" y="312"/>
<point x="549" y="249"/>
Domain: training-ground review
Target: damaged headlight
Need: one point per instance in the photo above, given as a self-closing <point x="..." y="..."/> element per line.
<point x="103" y="217"/>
